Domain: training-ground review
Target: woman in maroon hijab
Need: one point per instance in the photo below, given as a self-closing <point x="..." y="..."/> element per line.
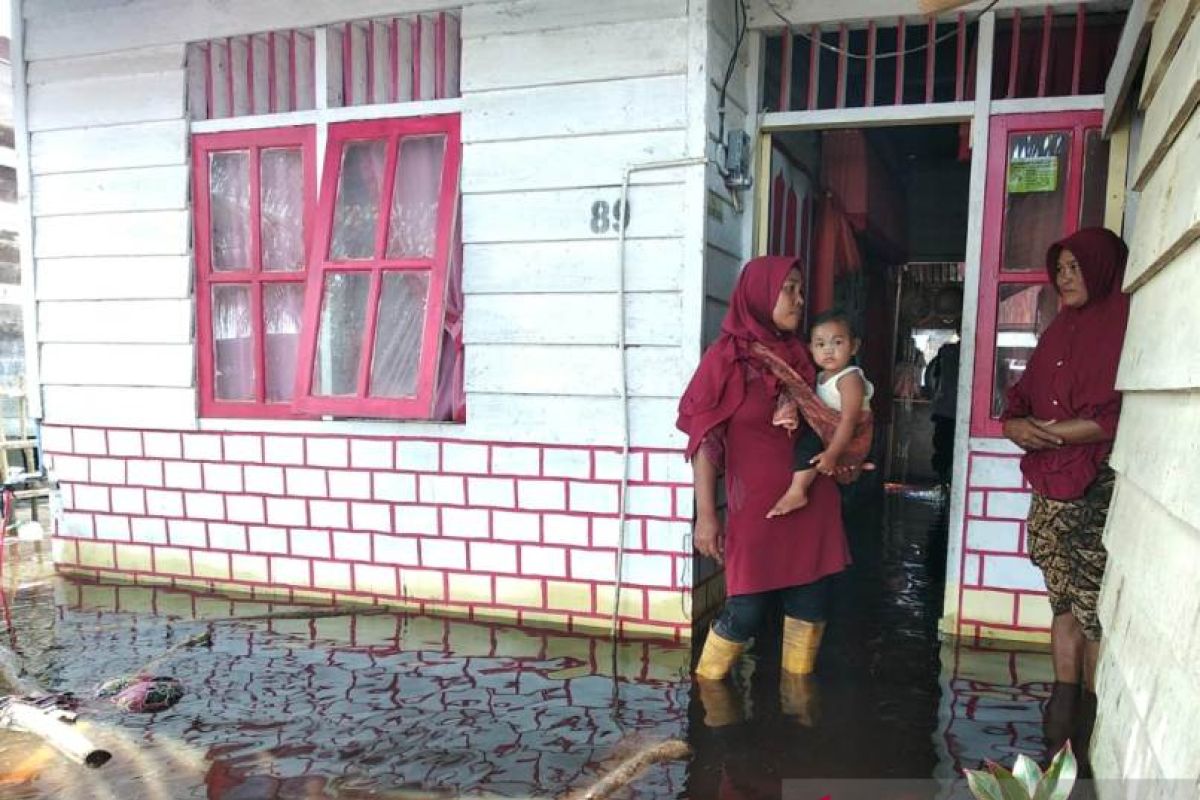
<point x="1063" y="414"/>
<point x="726" y="413"/>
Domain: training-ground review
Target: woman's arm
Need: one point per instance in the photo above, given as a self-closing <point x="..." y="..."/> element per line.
<point x="851" y="389"/>
<point x="1075" y="431"/>
<point x="709" y="537"/>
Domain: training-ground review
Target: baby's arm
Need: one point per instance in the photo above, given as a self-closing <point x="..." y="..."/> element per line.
<point x="851" y="389"/>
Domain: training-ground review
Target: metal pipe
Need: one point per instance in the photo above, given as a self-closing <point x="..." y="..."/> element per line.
<point x="622" y="224"/>
<point x="55" y="725"/>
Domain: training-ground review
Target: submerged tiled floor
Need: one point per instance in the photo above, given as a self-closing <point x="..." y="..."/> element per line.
<point x="385" y="705"/>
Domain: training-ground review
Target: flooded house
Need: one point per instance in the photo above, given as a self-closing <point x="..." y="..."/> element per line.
<point x="392" y="302"/>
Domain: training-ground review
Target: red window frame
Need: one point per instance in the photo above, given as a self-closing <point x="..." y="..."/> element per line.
<point x="419" y="406"/>
<point x="254" y="141"/>
<point x="992" y="276"/>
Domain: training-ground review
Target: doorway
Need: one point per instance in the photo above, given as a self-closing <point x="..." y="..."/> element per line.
<point x="879" y="217"/>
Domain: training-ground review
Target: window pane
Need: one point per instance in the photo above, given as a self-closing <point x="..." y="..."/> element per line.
<point x="339" y="338"/>
<point x="1035" y="197"/>
<point x="282" y="196"/>
<point x="412" y="228"/>
<point x="1022" y="313"/>
<point x="233" y="343"/>
<point x="229" y="208"/>
<point x="1095" y="179"/>
<point x="360" y="186"/>
<point x="282" y="306"/>
<point x="397" y="355"/>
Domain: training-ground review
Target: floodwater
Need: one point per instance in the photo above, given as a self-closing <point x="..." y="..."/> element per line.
<point x="394" y="706"/>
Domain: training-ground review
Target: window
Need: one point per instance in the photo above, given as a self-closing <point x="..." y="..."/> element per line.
<point x="350" y="306"/>
<point x="376" y="293"/>
<point x="342" y="298"/>
<point x="1046" y="178"/>
<point x="254" y="208"/>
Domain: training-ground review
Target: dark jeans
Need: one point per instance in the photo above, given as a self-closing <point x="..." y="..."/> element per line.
<point x="743" y="613"/>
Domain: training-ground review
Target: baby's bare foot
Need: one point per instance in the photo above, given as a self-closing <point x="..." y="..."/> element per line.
<point x="793" y="499"/>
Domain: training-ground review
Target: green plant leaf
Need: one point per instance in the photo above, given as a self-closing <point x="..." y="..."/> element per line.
<point x="983" y="785"/>
<point x="1010" y="787"/>
<point x="1059" y="779"/>
<point x="1026" y="771"/>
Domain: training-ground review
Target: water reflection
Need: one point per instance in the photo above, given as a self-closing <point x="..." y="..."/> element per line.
<point x="387" y="705"/>
<point x="360" y="705"/>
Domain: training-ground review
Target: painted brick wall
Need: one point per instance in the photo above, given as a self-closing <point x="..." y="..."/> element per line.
<point x="519" y="533"/>
<point x="1003" y="594"/>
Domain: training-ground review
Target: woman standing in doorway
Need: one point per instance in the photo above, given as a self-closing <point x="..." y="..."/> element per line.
<point x="1063" y="414"/>
<point x="726" y="413"/>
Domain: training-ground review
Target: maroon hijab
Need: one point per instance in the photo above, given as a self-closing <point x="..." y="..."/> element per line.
<point x="1072" y="373"/>
<point x="718" y="386"/>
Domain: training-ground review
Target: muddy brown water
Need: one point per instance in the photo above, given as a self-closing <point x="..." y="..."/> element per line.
<point x="396" y="706"/>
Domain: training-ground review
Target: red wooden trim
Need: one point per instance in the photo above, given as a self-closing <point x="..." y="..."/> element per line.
<point x="898" y="99"/>
<point x="991" y="274"/>
<point x="254" y="141"/>
<point x="271" y="100"/>
<point x="256" y="305"/>
<point x="391" y="130"/>
<point x="1014" y="54"/>
<point x="872" y="36"/>
<point x="294" y="78"/>
<point x="370" y="54"/>
<point x="814" y="67"/>
<point x="1080" y="27"/>
<point x="785" y="72"/>
<point x="930" y="59"/>
<point x="394" y="60"/>
<point x="250" y="74"/>
<point x="439" y="57"/>
<point x="415" y="28"/>
<point x="347" y="66"/>
<point x="960" y="58"/>
<point x="229" y="74"/>
<point x="209" y="112"/>
<point x="312" y="65"/>
<point x="1044" y="66"/>
<point x="843" y="44"/>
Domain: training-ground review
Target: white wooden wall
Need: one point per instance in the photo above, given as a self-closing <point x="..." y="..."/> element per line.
<point x="1149" y="726"/>
<point x="559" y="96"/>
<point x="726" y="248"/>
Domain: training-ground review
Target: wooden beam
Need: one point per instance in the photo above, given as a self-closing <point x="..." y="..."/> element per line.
<point x="918" y="114"/>
<point x="1118" y="171"/>
<point x="1169" y="29"/>
<point x="1135" y="38"/>
<point x="1173" y="105"/>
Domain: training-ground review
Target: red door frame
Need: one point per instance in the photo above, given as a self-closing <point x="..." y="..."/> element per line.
<point x="991" y="276"/>
<point x="362" y="405"/>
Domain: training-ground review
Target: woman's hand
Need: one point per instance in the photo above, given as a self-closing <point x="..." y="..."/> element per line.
<point x="825" y="463"/>
<point x="1026" y="434"/>
<point x="709" y="537"/>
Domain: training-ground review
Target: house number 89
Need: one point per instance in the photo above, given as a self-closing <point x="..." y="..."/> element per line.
<point x="606" y="217"/>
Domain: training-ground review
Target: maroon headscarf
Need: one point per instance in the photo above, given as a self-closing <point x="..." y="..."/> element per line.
<point x="718" y="387"/>
<point x="1072" y="373"/>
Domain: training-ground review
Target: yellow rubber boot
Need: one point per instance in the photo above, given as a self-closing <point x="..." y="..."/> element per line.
<point x="799" y="697"/>
<point x="801" y="641"/>
<point x="718" y="656"/>
<point x="722" y="706"/>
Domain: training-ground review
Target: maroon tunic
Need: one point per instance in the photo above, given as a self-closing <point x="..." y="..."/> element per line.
<point x="1072" y="373"/>
<point x="763" y="554"/>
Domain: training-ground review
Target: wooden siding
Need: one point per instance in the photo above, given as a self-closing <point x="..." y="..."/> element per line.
<point x="546" y="138"/>
<point x="1150" y="605"/>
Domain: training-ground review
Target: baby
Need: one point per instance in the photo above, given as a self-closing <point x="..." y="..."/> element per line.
<point x="840" y="424"/>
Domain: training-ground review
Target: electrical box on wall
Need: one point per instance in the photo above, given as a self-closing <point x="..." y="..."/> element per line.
<point x="736" y="169"/>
